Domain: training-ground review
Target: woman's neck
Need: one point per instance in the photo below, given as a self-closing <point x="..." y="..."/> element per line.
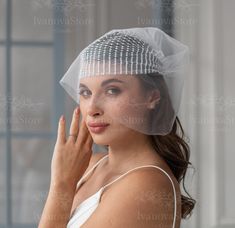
<point x="129" y="153"/>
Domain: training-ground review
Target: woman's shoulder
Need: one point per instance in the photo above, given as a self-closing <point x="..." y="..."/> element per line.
<point x="141" y="193"/>
<point x="143" y="177"/>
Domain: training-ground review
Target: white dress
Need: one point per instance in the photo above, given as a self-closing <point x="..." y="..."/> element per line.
<point x="88" y="206"/>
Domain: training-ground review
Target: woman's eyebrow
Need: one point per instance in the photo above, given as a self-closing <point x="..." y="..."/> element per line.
<point x="104" y="82"/>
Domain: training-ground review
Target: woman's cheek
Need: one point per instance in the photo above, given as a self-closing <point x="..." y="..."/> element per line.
<point x="82" y="108"/>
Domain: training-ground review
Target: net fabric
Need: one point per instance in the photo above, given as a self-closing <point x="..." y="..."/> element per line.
<point x="118" y="53"/>
<point x="149" y="54"/>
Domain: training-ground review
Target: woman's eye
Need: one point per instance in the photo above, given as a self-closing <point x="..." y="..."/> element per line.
<point x="82" y="92"/>
<point x="115" y="91"/>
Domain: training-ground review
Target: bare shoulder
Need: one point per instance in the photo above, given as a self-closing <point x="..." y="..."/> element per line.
<point x="143" y="198"/>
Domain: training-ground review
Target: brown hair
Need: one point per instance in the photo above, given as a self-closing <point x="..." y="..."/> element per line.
<point x="172" y="147"/>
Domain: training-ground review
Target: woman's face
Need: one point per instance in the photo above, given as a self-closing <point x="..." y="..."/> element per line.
<point x="116" y="100"/>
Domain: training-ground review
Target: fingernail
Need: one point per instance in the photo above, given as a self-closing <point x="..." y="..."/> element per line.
<point x="77" y="110"/>
<point x="62" y="118"/>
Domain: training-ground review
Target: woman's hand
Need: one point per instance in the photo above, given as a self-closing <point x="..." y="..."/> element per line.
<point x="72" y="155"/>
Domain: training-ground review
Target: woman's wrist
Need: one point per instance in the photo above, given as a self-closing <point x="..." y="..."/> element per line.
<point x="63" y="193"/>
<point x="58" y="206"/>
<point x="62" y="187"/>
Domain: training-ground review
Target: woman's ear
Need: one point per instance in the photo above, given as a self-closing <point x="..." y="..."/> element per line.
<point x="153" y="99"/>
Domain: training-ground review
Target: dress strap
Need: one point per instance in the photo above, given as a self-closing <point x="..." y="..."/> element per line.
<point x="94" y="166"/>
<point x="144" y="166"/>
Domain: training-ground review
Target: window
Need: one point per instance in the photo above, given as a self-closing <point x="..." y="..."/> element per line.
<point x="31" y="102"/>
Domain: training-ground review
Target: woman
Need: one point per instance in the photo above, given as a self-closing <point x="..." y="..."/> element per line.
<point x="128" y="85"/>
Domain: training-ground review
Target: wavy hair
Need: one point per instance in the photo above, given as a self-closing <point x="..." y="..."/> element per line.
<point x="172" y="147"/>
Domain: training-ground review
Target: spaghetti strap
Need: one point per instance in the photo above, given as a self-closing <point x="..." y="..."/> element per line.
<point x="144" y="166"/>
<point x="94" y="166"/>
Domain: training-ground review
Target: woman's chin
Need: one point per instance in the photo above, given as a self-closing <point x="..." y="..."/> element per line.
<point x="104" y="139"/>
<point x="100" y="139"/>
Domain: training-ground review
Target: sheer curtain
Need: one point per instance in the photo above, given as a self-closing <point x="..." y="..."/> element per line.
<point x="209" y="107"/>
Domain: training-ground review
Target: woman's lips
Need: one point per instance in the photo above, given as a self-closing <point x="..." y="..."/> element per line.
<point x="98" y="129"/>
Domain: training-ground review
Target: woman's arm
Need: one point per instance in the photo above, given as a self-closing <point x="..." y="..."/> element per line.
<point x="60" y="199"/>
<point x="58" y="205"/>
<point x="70" y="160"/>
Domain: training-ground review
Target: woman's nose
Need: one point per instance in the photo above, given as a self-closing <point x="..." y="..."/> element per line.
<point x="94" y="107"/>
